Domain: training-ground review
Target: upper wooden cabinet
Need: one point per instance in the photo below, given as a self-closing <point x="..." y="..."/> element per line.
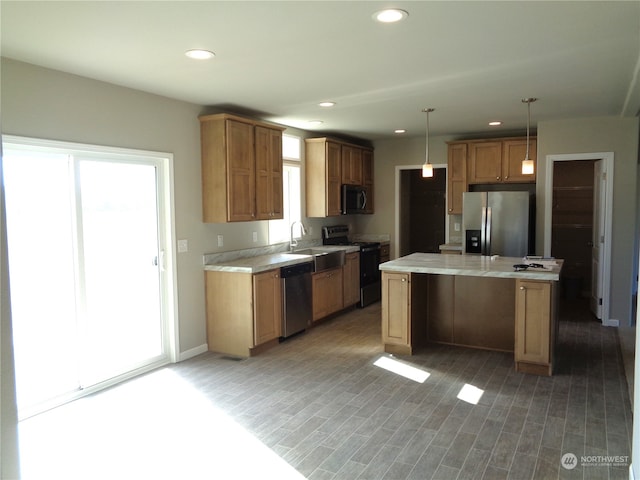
<point x="513" y="152"/>
<point x="351" y="165"/>
<point x="499" y="161"/>
<point x="330" y="163"/>
<point x="367" y="178"/>
<point x="485" y="162"/>
<point x="456" y="177"/>
<point x="241" y="169"/>
<point x="268" y="173"/>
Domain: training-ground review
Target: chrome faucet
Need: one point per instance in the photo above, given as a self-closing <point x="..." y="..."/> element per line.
<point x="292" y="241"/>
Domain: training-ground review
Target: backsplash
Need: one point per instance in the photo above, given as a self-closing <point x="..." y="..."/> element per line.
<point x="214" y="258"/>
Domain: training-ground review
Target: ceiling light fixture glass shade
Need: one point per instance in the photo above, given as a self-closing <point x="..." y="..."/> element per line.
<point x="198" y="54"/>
<point x="427" y="168"/>
<point x="390" y="15"/>
<point x="326" y="104"/>
<point x="528" y="165"/>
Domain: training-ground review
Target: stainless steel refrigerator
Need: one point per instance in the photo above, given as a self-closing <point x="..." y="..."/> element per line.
<point x="496" y="223"/>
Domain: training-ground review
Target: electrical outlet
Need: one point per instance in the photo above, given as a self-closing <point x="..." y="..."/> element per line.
<point x="456" y="227"/>
<point x="183" y="246"/>
<point x="220" y="241"/>
<point x="255" y="236"/>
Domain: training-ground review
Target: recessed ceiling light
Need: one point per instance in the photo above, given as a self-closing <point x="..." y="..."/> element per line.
<point x="326" y="104"/>
<point x="390" y="15"/>
<point x="400" y="130"/>
<point x="315" y="122"/>
<point x="495" y="124"/>
<point x="198" y="54"/>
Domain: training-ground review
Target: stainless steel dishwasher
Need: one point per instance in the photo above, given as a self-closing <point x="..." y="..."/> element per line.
<point x="296" y="299"/>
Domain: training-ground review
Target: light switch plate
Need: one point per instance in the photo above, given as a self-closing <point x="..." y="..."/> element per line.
<point x="456" y="227"/>
<point x="183" y="246"/>
<point x="255" y="236"/>
<point x="220" y="241"/>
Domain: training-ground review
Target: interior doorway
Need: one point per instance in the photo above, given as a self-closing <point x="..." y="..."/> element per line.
<point x="578" y="226"/>
<point x="422" y="211"/>
<point x="572" y="225"/>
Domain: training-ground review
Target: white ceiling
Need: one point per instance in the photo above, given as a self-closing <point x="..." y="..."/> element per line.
<point x="471" y="61"/>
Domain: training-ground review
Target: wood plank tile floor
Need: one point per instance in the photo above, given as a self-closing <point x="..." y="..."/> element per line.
<point x="318" y="401"/>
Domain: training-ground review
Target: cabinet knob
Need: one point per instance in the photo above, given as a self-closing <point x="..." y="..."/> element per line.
<point x="506" y="177"/>
<point x="522" y="288"/>
<point x="404" y="279"/>
<point x="497" y="178"/>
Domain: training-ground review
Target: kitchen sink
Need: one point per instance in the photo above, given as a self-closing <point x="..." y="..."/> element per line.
<point x="323" y="259"/>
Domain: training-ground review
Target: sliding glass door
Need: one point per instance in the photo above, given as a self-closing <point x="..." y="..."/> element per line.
<point x="86" y="256"/>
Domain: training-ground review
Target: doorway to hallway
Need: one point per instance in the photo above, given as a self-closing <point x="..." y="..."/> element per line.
<point x="422" y="211"/>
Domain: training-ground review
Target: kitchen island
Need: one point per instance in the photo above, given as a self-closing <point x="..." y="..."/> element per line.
<point x="472" y="301"/>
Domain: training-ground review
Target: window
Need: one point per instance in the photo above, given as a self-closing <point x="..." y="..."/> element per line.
<point x="279" y="230"/>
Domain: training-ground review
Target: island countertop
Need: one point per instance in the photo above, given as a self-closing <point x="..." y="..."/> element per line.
<point x="469" y="265"/>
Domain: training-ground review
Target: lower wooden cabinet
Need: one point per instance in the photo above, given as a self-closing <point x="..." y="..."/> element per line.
<point x="327" y="292"/>
<point x="535" y="326"/>
<point x="244" y="311"/>
<point x="267" y="306"/>
<point x="351" y="279"/>
<point x="385" y="252"/>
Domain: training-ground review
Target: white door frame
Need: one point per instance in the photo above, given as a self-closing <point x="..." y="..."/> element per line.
<point x="607" y="159"/>
<point x="399" y="168"/>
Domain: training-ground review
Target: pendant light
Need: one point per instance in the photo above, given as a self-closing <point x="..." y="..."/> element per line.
<point x="528" y="165"/>
<point x="427" y="168"/>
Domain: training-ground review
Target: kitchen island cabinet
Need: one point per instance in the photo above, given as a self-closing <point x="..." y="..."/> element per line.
<point x="472" y="301"/>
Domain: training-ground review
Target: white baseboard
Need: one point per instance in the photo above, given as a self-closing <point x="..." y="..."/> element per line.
<point x="192" y="352"/>
<point x="612" y="322"/>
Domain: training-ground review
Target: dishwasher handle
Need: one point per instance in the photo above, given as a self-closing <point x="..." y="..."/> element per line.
<point x="296" y="269"/>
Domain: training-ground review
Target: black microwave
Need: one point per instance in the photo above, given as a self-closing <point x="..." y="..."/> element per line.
<point x="354" y="199"/>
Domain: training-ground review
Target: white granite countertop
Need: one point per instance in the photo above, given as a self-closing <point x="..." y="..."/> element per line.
<point x="262" y="263"/>
<point x="468" y="265"/>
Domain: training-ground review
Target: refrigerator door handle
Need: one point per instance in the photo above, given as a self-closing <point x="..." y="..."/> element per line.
<point x="483" y="232"/>
<point x="488" y="233"/>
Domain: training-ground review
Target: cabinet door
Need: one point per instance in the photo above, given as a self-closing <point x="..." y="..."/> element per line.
<point x="351" y="165"/>
<point x="485" y="162"/>
<point x="240" y="172"/>
<point x="396" y="308"/>
<point x="533" y="322"/>
<point x="326" y="292"/>
<point x="367" y="178"/>
<point x="351" y="279"/>
<point x="334" y="178"/>
<point x="513" y="152"/>
<point x="267" y="306"/>
<point x="456" y="177"/>
<point x="268" y="173"/>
